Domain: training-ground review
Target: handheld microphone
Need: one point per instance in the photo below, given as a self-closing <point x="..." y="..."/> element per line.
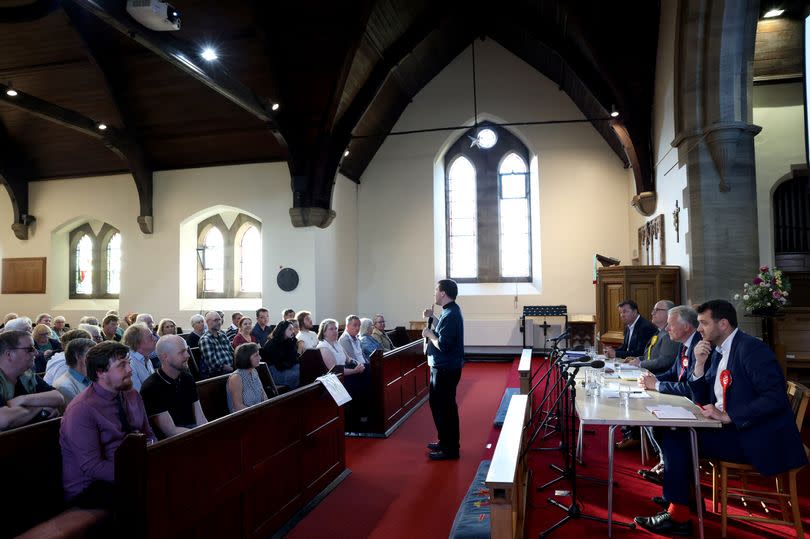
<point x="572" y="359"/>
<point x="596" y="364"/>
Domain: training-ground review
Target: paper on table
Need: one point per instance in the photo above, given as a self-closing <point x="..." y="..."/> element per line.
<point x="667" y="411"/>
<point x="640" y="395"/>
<point x="629" y="374"/>
<point x="335" y="388"/>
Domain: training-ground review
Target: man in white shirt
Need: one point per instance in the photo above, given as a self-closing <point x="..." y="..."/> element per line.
<point x="307" y="338"/>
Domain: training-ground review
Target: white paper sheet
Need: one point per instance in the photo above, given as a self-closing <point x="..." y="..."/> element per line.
<point x="666" y="411"/>
<point x="335" y="388"/>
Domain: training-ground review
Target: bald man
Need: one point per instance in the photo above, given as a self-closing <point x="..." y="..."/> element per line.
<point x="170" y="394"/>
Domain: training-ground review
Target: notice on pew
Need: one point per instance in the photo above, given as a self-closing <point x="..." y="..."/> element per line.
<point x="335" y="388"/>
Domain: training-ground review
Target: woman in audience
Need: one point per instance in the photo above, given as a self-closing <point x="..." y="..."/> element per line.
<point x="281" y="355"/>
<point x="331" y="351"/>
<point x="45" y="345"/>
<point x="243" y="335"/>
<point x="244" y="386"/>
<point x="75" y="380"/>
<point x="129" y="319"/>
<point x="57" y="366"/>
<point x="367" y="343"/>
<point x="166" y="327"/>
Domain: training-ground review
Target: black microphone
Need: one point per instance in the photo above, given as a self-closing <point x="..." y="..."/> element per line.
<point x="572" y="359"/>
<point x="596" y="364"/>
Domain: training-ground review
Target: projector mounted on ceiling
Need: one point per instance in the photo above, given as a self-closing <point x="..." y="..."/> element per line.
<point x="155" y="14"/>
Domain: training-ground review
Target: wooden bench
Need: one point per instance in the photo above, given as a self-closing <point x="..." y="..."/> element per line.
<point x="244" y="475"/>
<point x="525" y="371"/>
<point x="213" y="392"/>
<point x="507" y="478"/>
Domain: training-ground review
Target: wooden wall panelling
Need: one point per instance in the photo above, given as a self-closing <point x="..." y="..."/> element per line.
<point x="23" y="276"/>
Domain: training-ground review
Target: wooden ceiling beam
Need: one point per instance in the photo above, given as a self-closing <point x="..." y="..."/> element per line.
<point x="28" y="12"/>
<point x="15" y="173"/>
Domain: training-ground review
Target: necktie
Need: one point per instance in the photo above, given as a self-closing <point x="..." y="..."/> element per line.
<point x="122" y="414"/>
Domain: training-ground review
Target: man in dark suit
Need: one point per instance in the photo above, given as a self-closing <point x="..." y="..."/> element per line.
<point x="637" y="332"/>
<point x="741" y="385"/>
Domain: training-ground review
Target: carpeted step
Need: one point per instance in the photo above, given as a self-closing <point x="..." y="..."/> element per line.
<point x="472" y="518"/>
<point x="500" y="415"/>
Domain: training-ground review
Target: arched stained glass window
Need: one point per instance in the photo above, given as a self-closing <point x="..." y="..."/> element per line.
<point x="462" y="249"/>
<point x="250" y="261"/>
<point x="513" y="205"/>
<point x="84" y="266"/>
<point x="114" y="264"/>
<point x="214" y="260"/>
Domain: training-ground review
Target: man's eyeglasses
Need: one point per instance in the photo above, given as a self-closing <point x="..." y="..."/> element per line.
<point x="29" y="349"/>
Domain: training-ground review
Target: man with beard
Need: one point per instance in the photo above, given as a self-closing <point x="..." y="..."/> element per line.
<point x="96" y="423"/>
<point x="307" y="339"/>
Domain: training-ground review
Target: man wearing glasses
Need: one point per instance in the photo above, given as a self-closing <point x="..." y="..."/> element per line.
<point x="24" y="396"/>
<point x="378" y="334"/>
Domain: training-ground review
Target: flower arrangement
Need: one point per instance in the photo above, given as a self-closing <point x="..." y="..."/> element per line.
<point x="768" y="291"/>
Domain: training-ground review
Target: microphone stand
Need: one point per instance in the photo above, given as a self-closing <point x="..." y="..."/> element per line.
<point x="573" y="510"/>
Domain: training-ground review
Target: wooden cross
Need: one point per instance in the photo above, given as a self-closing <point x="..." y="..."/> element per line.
<point x="676" y="222"/>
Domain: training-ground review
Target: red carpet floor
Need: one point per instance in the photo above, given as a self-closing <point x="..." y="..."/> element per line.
<point x="394" y="491"/>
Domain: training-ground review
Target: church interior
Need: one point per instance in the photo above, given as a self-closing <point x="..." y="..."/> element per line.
<point x="342" y="157"/>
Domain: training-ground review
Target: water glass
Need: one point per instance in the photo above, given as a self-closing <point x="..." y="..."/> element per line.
<point x="624" y="396"/>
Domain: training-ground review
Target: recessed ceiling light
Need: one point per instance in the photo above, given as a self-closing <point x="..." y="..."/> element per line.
<point x="102" y="126"/>
<point x="775" y="12"/>
<point x="346" y="153"/>
<point x="209" y="54"/>
<point x="275" y="106"/>
<point x="11" y="92"/>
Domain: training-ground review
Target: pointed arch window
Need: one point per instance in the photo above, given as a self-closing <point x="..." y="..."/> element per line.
<point x="94" y="262"/>
<point x="230" y="261"/>
<point x="488" y="209"/>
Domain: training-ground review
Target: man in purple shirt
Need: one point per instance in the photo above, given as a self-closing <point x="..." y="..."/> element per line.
<point x="95" y="424"/>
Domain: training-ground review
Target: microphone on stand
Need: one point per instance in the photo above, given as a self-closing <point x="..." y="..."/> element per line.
<point x="596" y="364"/>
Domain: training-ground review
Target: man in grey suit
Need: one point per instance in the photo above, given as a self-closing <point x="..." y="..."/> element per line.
<point x="660" y="352"/>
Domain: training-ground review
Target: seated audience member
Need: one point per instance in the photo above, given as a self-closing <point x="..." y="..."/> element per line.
<point x="109" y="328"/>
<point x="170" y="394"/>
<point x="368" y="344"/>
<point x="96" y="423"/>
<point x="637" y="332"/>
<point x="59" y="326"/>
<point x="233" y="329"/>
<point x="92" y="320"/>
<point x="332" y="352"/>
<point x="378" y="334"/>
<point x="262" y="330"/>
<point x="56" y="365"/>
<point x="349" y="341"/>
<point x="8" y="318"/>
<point x="138" y="338"/>
<point x="75" y="380"/>
<point x="307" y="339"/>
<point x="281" y="355"/>
<point x="45" y="345"/>
<point x="217" y="354"/>
<point x="121" y="324"/>
<point x="147" y="320"/>
<point x="93" y="330"/>
<point x="288" y="314"/>
<point x="21" y="323"/>
<point x="46" y="319"/>
<point x="741" y="385"/>
<point x="24" y="396"/>
<point x="166" y="327"/>
<point x="197" y="329"/>
<point x="244" y="386"/>
<point x="129" y="319"/>
<point x="244" y="335"/>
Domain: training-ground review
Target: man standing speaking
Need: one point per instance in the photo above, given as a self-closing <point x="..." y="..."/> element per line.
<point x="445" y="353"/>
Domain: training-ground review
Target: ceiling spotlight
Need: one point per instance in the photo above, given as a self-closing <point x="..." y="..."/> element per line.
<point x="775" y="12"/>
<point x="275" y="106"/>
<point x="209" y="54"/>
<point x="102" y="126"/>
<point x="10" y="91"/>
<point x="346" y="153"/>
<point x="613" y="112"/>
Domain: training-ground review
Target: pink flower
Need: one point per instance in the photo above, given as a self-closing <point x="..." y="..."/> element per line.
<point x="757" y="280"/>
<point x="763" y="268"/>
<point x="776" y="294"/>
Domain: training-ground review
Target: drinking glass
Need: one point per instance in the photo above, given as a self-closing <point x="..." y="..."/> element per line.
<point x="624" y="396"/>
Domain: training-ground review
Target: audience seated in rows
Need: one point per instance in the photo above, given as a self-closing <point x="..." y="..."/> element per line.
<point x="244" y="385"/>
<point x="378" y="334"/>
<point x="95" y="424"/>
<point x="46" y="346"/>
<point x="368" y="344"/>
<point x="332" y="352"/>
<point x="197" y="329"/>
<point x="138" y="338"/>
<point x="281" y="355"/>
<point x="244" y="334"/>
<point x="170" y="393"/>
<point x="262" y="328"/>
<point x="56" y="365"/>
<point x="75" y="380"/>
<point x="217" y="354"/>
<point x="24" y="397"/>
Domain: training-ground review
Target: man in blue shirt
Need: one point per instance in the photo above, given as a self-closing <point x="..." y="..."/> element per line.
<point x="445" y="353"/>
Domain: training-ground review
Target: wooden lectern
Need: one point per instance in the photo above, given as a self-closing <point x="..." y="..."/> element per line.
<point x="646" y="285"/>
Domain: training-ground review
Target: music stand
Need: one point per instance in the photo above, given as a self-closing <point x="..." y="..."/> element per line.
<point x="545" y="311"/>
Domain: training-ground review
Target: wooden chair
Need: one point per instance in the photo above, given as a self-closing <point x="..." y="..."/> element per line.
<point x="799" y="396"/>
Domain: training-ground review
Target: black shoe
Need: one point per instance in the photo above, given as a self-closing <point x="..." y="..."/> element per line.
<point x="434" y="446"/>
<point x="442" y="455"/>
<point x="652" y="477"/>
<point x="663" y="524"/>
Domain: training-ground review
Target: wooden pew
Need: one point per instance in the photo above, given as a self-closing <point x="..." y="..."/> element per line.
<point x="507" y="478"/>
<point x="244" y="475"/>
<point x="399" y="336"/>
<point x="213" y="392"/>
<point x="399" y="384"/>
<point x="525" y="371"/>
<point x="32" y="476"/>
<point x="311" y="366"/>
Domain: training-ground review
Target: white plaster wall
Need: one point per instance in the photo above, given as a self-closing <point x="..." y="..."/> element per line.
<point x="583" y="193"/>
<point x="779" y="110"/>
<point x="151" y="274"/>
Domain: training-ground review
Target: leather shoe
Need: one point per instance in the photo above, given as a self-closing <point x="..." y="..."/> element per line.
<point x="652" y="477"/>
<point x="434" y="446"/>
<point x="627" y="443"/>
<point x="442" y="455"/>
<point x="662" y="523"/>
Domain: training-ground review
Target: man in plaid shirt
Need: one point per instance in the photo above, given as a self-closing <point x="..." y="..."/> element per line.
<point x="217" y="354"/>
